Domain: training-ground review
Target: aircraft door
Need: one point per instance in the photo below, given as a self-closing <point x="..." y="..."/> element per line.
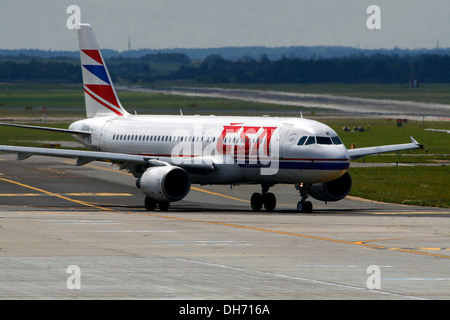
<point x="283" y="138"/>
<point x="104" y="142"/>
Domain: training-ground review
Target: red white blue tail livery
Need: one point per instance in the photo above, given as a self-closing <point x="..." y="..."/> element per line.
<point x="100" y="96"/>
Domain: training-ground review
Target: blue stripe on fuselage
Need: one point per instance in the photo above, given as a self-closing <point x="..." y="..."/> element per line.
<point x="316" y="165"/>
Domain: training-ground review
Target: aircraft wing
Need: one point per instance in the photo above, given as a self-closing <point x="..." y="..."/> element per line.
<point x="438" y="130"/>
<point x="84" y="157"/>
<point x="45" y="128"/>
<point x="362" y="152"/>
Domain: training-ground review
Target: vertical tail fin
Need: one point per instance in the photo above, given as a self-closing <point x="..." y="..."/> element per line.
<point x="99" y="93"/>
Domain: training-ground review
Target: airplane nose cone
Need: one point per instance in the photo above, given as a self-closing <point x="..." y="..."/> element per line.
<point x="338" y="153"/>
<point x="337" y="161"/>
<point x="344" y="153"/>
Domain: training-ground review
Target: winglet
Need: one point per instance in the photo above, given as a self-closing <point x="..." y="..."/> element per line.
<point x="416" y="143"/>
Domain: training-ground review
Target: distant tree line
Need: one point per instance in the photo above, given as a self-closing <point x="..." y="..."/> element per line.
<point x="140" y="70"/>
<point x="355" y="69"/>
<point x="233" y="53"/>
<point x="378" y="68"/>
<point x="39" y="71"/>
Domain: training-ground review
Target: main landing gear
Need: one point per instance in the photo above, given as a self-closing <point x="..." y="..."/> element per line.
<point x="151" y="204"/>
<point x="265" y="198"/>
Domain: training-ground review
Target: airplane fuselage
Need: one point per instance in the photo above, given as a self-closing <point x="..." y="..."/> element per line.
<point x="243" y="149"/>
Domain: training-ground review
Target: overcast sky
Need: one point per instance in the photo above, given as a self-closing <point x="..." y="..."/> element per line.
<point x="159" y="24"/>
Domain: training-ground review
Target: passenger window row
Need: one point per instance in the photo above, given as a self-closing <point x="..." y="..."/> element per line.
<point x="305" y="140"/>
<point x="124" y="137"/>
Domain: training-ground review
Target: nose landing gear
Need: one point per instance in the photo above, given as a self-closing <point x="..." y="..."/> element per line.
<point x="303" y="206"/>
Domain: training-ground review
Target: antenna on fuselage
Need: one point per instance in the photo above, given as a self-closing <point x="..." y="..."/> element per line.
<point x="301" y="115"/>
<point x="181" y="112"/>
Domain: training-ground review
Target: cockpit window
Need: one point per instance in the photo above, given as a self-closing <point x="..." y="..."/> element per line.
<point x="305" y="140"/>
<point x="324" y="140"/>
<point x="302" y="140"/>
<point x="311" y="140"/>
<point x="336" y="140"/>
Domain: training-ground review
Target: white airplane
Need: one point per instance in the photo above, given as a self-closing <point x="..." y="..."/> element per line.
<point x="438" y="130"/>
<point x="166" y="153"/>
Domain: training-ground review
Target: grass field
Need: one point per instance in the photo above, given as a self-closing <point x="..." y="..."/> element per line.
<point x="423" y="186"/>
<point x="68" y="101"/>
<point x="385" y="131"/>
<point x="420" y="185"/>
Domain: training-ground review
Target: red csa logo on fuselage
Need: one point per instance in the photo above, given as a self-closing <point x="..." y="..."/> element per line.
<point x="249" y="141"/>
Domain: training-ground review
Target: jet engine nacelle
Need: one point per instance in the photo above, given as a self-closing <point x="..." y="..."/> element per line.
<point x="334" y="190"/>
<point x="165" y="183"/>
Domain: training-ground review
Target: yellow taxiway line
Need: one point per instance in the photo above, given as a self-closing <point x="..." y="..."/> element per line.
<point x="358" y="243"/>
<point x="73" y="194"/>
<point x="55" y="194"/>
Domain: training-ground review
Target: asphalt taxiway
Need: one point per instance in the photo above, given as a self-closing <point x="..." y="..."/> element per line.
<point x="54" y="215"/>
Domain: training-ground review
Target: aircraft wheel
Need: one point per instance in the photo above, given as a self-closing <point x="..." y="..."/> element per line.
<point x="300" y="206"/>
<point x="308" y="207"/>
<point x="164" y="206"/>
<point x="304" y="207"/>
<point x="150" y="204"/>
<point x="270" y="202"/>
<point x="256" y="201"/>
